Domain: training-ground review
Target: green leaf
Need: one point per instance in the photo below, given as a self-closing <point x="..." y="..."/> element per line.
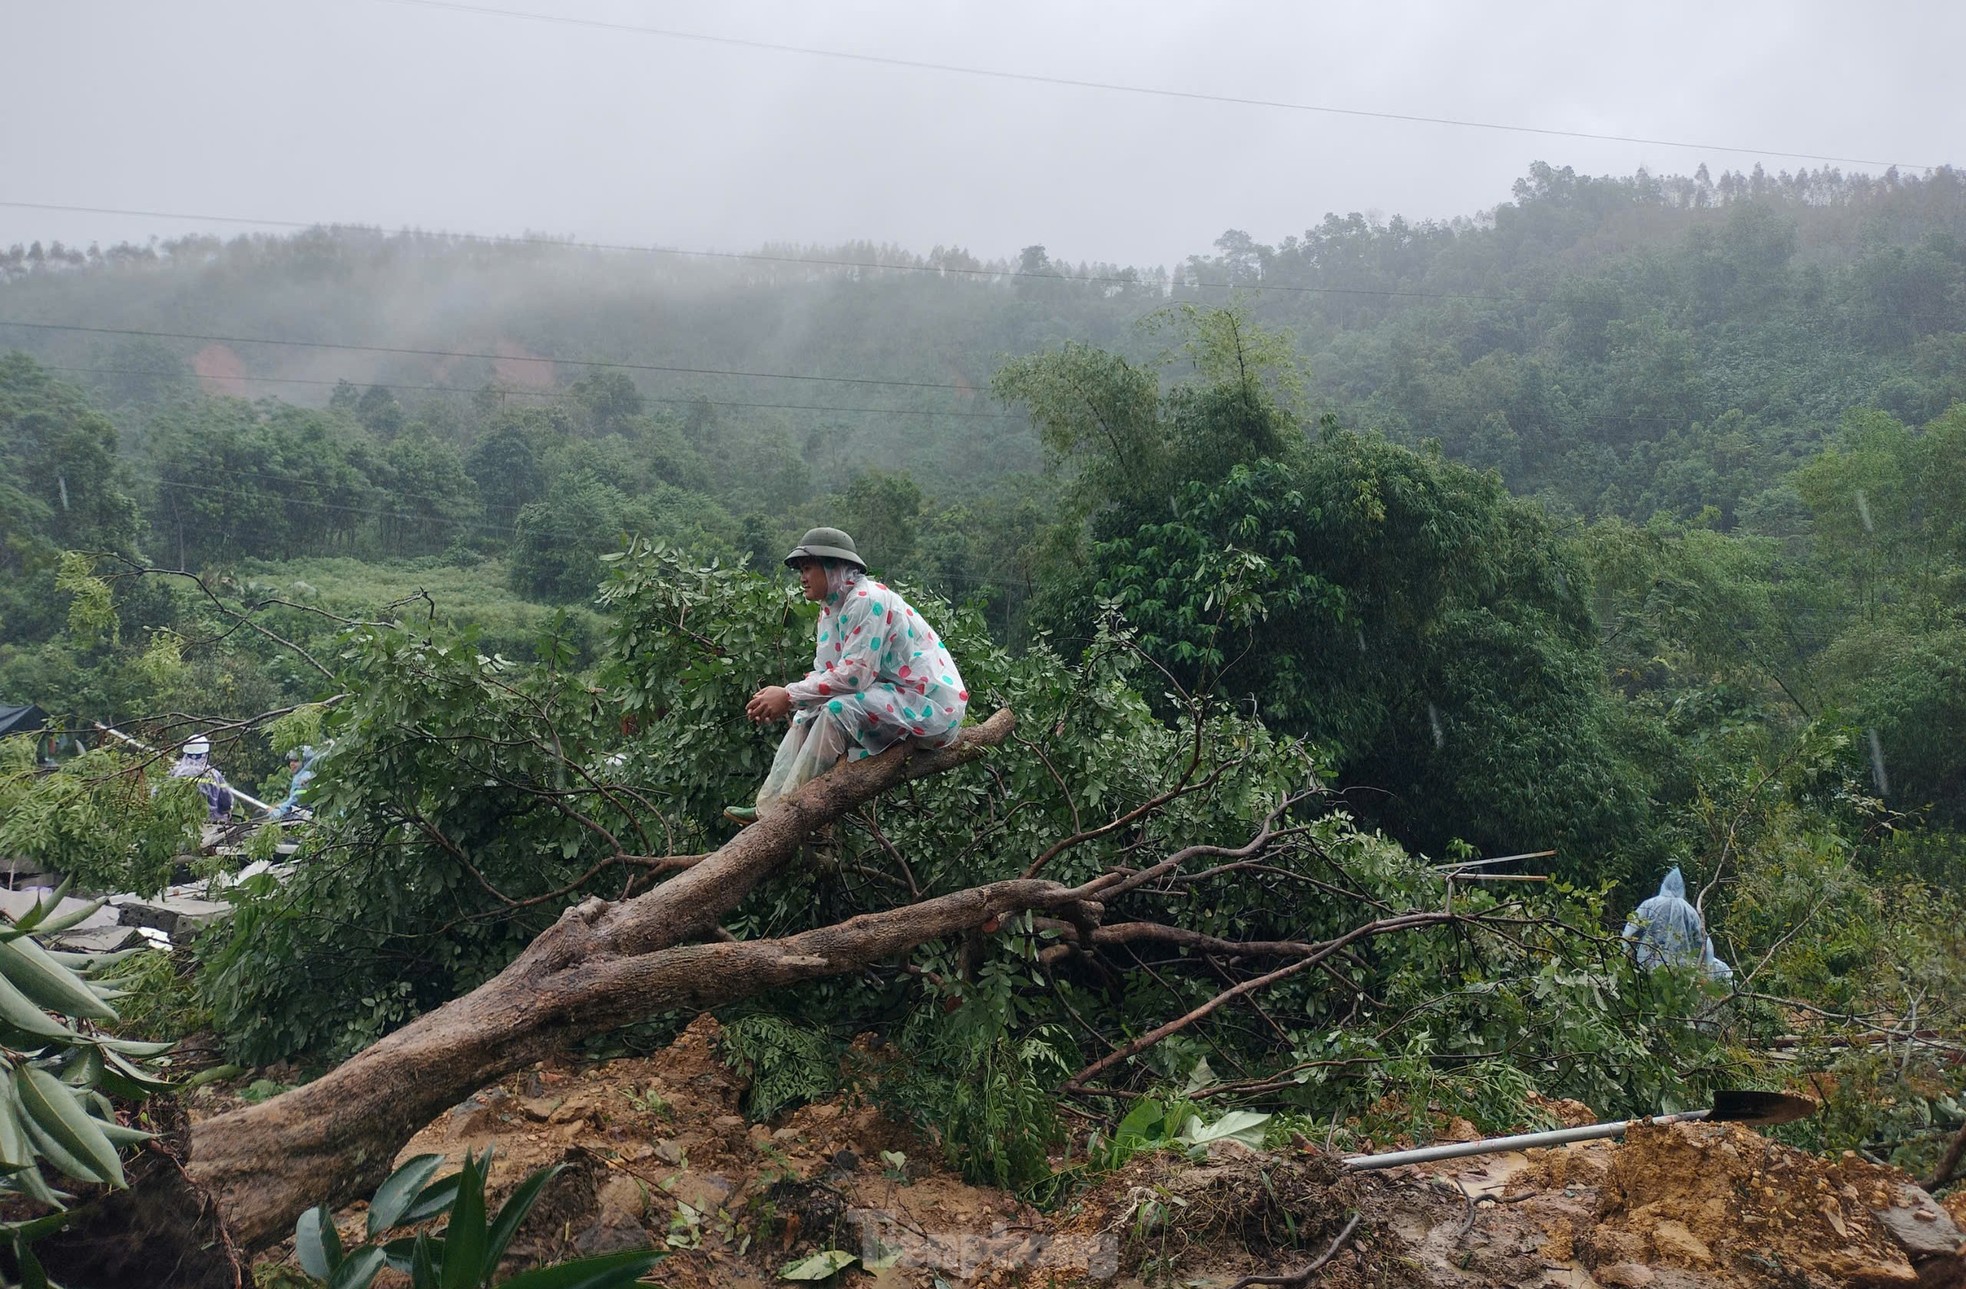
<point x="33" y="917"/>
<point x="1245" y="1126"/>
<point x="820" y="1266"/>
<point x="31" y="1274"/>
<point x="464" y="1237"/>
<point x="317" y="1244"/>
<point x="394" y="1197"/>
<point x="54" y="1114"/>
<point x="425" y="1258"/>
<point x="34" y="1228"/>
<point x="1140" y="1121"/>
<point x="433" y="1199"/>
<point x="514" y="1211"/>
<point x="122" y="1136"/>
<point x="608" y="1271"/>
<point x="14" y="1146"/>
<point x="129" y="1047"/>
<point x="19" y="1013"/>
<point x="49" y="984"/>
<point x="358" y="1269"/>
<point x="68" y="921"/>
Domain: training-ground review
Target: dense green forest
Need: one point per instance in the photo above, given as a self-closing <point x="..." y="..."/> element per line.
<point x="1626" y="521"/>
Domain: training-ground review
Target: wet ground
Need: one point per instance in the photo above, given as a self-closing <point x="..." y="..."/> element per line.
<point x="658" y="1152"/>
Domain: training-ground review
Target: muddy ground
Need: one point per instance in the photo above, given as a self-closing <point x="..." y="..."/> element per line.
<point x="658" y="1152"/>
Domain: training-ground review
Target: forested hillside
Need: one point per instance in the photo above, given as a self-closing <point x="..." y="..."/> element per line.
<point x="1646" y="349"/>
<point x="1622" y="526"/>
<point x="1624" y="345"/>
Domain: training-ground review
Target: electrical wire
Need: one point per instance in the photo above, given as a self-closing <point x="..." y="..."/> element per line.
<point x="1592" y="417"/>
<point x="444" y="522"/>
<point x="538" y="393"/>
<point x="453" y="353"/>
<point x="1071" y="82"/>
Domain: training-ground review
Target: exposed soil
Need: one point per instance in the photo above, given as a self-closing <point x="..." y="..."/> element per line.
<point x="220" y="370"/>
<point x="659" y="1153"/>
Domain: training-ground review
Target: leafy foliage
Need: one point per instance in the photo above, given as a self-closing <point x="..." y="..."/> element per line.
<point x="786" y="1064"/>
<point x="466" y="1251"/>
<point x="1726" y="632"/>
<point x="984" y="1060"/>
<point x="106" y="820"/>
<point x="1384" y="603"/>
<point x="57" y="1076"/>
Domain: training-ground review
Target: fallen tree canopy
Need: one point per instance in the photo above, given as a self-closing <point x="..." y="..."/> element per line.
<point x="604" y="964"/>
<point x="600" y="966"/>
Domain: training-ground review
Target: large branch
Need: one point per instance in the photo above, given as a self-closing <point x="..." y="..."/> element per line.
<point x="600" y="966"/>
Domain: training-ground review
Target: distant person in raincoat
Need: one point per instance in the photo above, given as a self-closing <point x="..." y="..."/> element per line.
<point x="300" y="763"/>
<point x="195" y="763"/>
<point x="1666" y="931"/>
<point x="879" y="675"/>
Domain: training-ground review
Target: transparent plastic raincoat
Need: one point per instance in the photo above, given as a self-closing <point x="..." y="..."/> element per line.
<point x="879" y="674"/>
<point x="290" y="807"/>
<point x="1666" y="931"/>
<point x="198" y="767"/>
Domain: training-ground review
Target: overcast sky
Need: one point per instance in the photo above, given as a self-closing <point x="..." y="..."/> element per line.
<point x="400" y="114"/>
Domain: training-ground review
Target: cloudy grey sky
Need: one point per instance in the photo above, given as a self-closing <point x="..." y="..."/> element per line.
<point x="409" y="114"/>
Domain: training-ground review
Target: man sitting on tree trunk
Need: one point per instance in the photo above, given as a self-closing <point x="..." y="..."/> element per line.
<point x="879" y="675"/>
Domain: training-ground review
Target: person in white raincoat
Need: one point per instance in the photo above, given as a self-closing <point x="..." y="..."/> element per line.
<point x="195" y="763"/>
<point x="1666" y="931"/>
<point x="880" y="674"/>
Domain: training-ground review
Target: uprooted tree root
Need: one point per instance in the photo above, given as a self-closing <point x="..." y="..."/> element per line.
<point x="161" y="1230"/>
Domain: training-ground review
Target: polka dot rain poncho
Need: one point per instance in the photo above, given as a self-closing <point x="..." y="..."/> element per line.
<point x="881" y="670"/>
<point x="880" y="674"/>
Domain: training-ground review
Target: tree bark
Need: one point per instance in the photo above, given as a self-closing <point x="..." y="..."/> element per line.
<point x="1948" y="1165"/>
<point x="602" y="965"/>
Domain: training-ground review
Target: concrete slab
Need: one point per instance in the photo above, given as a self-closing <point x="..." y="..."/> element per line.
<point x="18" y="872"/>
<point x="177" y="918"/>
<point x="108" y="939"/>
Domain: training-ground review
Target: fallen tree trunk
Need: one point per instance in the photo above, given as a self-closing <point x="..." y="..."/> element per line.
<point x="602" y="965"/>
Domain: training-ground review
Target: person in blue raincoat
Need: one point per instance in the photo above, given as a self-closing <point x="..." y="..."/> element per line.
<point x="1666" y="931"/>
<point x="880" y="674"/>
<point x="300" y="762"/>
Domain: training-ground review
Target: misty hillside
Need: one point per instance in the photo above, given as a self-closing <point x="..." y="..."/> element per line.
<point x="1621" y="345"/>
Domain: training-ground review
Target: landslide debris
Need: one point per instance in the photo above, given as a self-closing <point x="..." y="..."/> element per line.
<point x="658" y="1152"/>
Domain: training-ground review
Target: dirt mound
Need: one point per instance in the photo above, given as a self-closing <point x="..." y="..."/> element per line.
<point x="658" y="1152"/>
<point x="1738" y="1209"/>
<point x="1168" y="1219"/>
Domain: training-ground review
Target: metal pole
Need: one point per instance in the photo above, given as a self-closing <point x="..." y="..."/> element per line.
<point x="121" y="737"/>
<point x="1521" y="1141"/>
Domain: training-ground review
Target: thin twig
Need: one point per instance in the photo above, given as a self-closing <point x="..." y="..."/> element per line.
<point x="1411" y="921"/>
<point x="1299" y="1279"/>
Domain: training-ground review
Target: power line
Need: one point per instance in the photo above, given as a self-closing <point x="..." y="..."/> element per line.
<point x="1070" y="82"/>
<point x="538" y="393"/>
<point x="451" y="353"/>
<point x="1586" y="416"/>
<point x="440" y="521"/>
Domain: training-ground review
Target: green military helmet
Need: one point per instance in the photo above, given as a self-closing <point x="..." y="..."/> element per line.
<point x="826" y="543"/>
